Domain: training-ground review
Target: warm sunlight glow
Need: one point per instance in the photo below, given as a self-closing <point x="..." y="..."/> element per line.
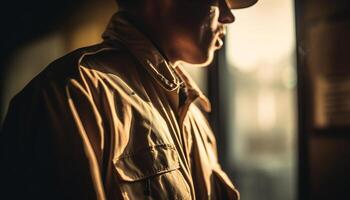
<point x="264" y="35"/>
<point x="260" y="57"/>
<point x="266" y="110"/>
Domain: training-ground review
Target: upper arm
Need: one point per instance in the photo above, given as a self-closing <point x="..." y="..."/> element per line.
<point x="51" y="144"/>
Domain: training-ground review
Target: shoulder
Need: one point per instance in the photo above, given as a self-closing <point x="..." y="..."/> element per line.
<point x="78" y="65"/>
<point x="117" y="62"/>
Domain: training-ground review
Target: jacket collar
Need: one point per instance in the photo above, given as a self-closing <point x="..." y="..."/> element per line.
<point x="120" y="30"/>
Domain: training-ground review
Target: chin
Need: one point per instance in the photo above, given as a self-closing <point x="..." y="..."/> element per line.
<point x="202" y="60"/>
<point x="206" y="58"/>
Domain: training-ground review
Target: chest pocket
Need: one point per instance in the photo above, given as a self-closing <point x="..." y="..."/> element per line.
<point x="152" y="173"/>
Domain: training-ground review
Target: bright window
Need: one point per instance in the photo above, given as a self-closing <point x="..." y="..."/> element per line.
<point x="261" y="87"/>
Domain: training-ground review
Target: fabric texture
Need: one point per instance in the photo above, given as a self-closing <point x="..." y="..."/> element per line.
<point x="111" y="121"/>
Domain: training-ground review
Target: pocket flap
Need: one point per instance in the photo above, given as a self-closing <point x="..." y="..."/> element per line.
<point x="224" y="186"/>
<point x="147" y="162"/>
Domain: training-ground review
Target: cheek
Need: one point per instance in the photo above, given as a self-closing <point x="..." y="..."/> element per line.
<point x="197" y="39"/>
<point x="209" y="25"/>
<point x="197" y="19"/>
<point x="206" y="42"/>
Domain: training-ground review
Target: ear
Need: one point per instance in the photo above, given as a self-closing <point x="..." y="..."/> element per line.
<point x="162" y="5"/>
<point x="158" y="9"/>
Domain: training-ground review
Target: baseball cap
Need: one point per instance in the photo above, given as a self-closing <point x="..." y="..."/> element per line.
<point x="238" y="4"/>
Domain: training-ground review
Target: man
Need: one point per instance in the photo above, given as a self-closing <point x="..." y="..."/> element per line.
<point x="117" y="120"/>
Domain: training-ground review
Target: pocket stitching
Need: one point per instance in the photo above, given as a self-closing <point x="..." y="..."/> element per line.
<point x="148" y="170"/>
<point x="149" y="149"/>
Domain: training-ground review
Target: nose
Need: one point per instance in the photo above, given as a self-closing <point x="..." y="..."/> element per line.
<point x="226" y="16"/>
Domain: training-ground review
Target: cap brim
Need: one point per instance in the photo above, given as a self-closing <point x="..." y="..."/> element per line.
<point x="238" y="4"/>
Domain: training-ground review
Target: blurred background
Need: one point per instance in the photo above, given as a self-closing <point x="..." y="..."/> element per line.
<point x="280" y="87"/>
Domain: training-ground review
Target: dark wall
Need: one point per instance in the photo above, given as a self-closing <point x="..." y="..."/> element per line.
<point x="24" y="21"/>
<point x="329" y="167"/>
<point x="34" y="33"/>
<point x="323" y="30"/>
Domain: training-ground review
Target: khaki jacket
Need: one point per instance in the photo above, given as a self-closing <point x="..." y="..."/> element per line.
<point x="111" y="121"/>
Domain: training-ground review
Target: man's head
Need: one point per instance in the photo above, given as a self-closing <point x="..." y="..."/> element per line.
<point x="184" y="30"/>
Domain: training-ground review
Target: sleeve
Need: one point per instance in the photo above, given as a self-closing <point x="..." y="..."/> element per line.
<point x="223" y="186"/>
<point x="52" y="145"/>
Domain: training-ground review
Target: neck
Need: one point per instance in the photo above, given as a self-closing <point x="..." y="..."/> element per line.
<point x="156" y="29"/>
